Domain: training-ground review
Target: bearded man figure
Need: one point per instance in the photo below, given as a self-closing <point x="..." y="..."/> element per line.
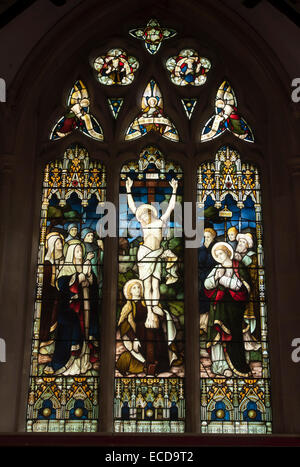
<point x="245" y="253"/>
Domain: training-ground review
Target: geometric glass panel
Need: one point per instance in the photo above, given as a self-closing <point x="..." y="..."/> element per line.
<point x="64" y="379"/>
<point x="116" y="67"/>
<point x="152" y="118"/>
<point x="226" y="117"/>
<point x="153" y="35"/>
<point x="189" y="105"/>
<point x="149" y="375"/>
<point x="115" y="105"/>
<point x="77" y="116"/>
<point x="234" y="360"/>
<point x="188" y="68"/>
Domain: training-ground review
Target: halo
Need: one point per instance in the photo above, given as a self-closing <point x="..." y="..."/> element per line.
<point x="73" y="242"/>
<point x="145" y="207"/>
<point x="51" y="234"/>
<point x="128" y="284"/>
<point x="218" y="246"/>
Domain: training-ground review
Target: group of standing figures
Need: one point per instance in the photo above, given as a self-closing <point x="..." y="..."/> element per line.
<point x="69" y="327"/>
<point x="228" y="302"/>
<point x="229" y="306"/>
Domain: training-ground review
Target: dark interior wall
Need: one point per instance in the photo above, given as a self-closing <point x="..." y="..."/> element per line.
<point x="60" y="52"/>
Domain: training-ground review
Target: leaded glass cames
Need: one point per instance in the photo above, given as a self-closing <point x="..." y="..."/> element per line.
<point x="150" y="316"/>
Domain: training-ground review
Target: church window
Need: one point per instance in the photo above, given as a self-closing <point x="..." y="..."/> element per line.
<point x="77" y="116"/>
<point x="234" y="361"/>
<point x="153" y="35"/>
<point x="64" y="379"/>
<point x="116" y="67"/>
<point x="150" y="317"/>
<point x="150" y="331"/>
<point x="188" y="68"/>
<point x="151" y="117"/>
<point x="227" y="117"/>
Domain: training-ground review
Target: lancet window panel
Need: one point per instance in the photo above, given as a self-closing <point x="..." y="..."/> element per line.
<point x="64" y="377"/>
<point x="150" y="371"/>
<point x="234" y="359"/>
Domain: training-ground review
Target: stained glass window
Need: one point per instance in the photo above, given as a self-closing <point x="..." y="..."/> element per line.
<point x="149" y="377"/>
<point x="188" y="68"/>
<point x="226" y="117"/>
<point x="234" y="372"/>
<point x="149" y="368"/>
<point x="116" y="67"/>
<point x="153" y="35"/>
<point x="77" y="116"/>
<point x="152" y="117"/>
<point x="115" y="105"/>
<point x="64" y="378"/>
<point x="189" y="106"/>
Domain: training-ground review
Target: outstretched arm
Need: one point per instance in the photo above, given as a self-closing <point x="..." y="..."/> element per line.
<point x="171" y="206"/>
<point x="130" y="200"/>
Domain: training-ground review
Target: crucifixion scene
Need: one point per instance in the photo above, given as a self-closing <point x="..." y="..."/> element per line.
<point x="151" y="312"/>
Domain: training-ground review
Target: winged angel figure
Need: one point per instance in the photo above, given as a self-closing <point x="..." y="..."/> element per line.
<point x="151" y="117"/>
<point x="78" y="116"/>
<point x="226" y="117"/>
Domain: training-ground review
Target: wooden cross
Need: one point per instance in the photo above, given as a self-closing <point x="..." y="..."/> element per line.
<point x="151" y="184"/>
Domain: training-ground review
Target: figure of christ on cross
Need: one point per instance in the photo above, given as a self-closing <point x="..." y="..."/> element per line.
<point x="150" y="251"/>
